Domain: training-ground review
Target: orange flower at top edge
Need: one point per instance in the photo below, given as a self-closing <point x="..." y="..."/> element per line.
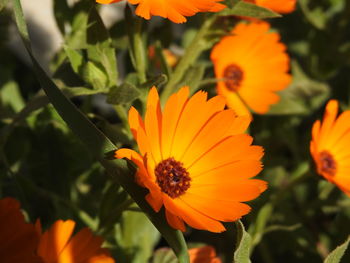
<point x="330" y="146"/>
<point x="254" y="64"/>
<point x="18" y="239"/>
<point x="58" y="245"/>
<point x="174" y="10"/>
<point x="193" y="156"/>
<point x="204" y="254"/>
<point x="279" y="6"/>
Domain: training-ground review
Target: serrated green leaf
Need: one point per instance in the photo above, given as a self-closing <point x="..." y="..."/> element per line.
<point x="75" y="58"/>
<point x="94" y="76"/>
<point x="242" y="252"/>
<point x="336" y="255"/>
<point x="246" y="9"/>
<point x="123" y="94"/>
<point x="100" y="49"/>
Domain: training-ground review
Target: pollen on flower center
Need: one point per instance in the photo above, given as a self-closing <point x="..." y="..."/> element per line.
<point x="233" y="75"/>
<point x="172" y="178"/>
<point x="328" y="164"/>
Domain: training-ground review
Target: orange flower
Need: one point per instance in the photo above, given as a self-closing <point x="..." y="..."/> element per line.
<point x="18" y="239"/>
<point x="174" y="10"/>
<point x="205" y="254"/>
<point x="279" y="6"/>
<point x="254" y="65"/>
<point x="195" y="156"/>
<point x="330" y="146"/>
<point x="58" y="245"/>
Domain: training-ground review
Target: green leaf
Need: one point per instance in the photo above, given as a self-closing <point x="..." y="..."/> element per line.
<point x="100" y="49"/>
<point x="336" y="255"/>
<point x="11" y="96"/>
<point x="244" y="241"/>
<point x="246" y="9"/>
<point x="156" y="81"/>
<point x="98" y="144"/>
<point x="137" y="235"/>
<point x="164" y="255"/>
<point x="193" y="77"/>
<point x="94" y="76"/>
<point x="123" y="94"/>
<point x="76" y="59"/>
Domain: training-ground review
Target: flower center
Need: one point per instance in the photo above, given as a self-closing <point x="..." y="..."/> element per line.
<point x="328" y="164"/>
<point x="233" y="75"/>
<point x="172" y="177"/>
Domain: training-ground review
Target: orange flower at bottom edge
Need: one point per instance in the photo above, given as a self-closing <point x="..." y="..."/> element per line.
<point x="330" y="146"/>
<point x="58" y="245"/>
<point x="204" y="254"/>
<point x="254" y="64"/>
<point x="174" y="10"/>
<point x="279" y="6"/>
<point x="194" y="156"/>
<point x="18" y="239"/>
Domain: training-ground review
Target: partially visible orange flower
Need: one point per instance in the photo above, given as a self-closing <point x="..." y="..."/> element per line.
<point x="279" y="6"/>
<point x="18" y="239"/>
<point x="174" y="10"/>
<point x="330" y="146"/>
<point x="254" y="65"/>
<point x="204" y="254"/>
<point x="194" y="156"/>
<point x="58" y="246"/>
<point x="170" y="57"/>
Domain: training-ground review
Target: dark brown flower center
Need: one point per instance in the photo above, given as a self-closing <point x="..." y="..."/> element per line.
<point x="172" y="177"/>
<point x="233" y="75"/>
<point x="328" y="164"/>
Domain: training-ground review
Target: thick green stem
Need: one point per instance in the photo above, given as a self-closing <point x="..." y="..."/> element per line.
<point x="193" y="51"/>
<point x="139" y="51"/>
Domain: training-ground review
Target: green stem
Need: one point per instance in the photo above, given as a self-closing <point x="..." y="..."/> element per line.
<point x="192" y="52"/>
<point x="139" y="51"/>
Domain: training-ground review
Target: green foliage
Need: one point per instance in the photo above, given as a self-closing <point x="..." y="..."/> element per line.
<point x="244" y="240"/>
<point x="336" y="255"/>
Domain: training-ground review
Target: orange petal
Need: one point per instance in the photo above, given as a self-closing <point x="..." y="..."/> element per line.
<point x="174" y="221"/>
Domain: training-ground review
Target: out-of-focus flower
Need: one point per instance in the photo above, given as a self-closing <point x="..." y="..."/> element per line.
<point x="170" y="57"/>
<point x="194" y="156"/>
<point x="279" y="6"/>
<point x="252" y="65"/>
<point x="174" y="10"/>
<point x="58" y="245"/>
<point x="18" y="239"/>
<point x="330" y="146"/>
<point x="204" y="254"/>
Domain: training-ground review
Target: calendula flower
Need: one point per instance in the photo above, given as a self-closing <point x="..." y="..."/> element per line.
<point x="252" y="65"/>
<point x="58" y="245"/>
<point x="279" y="6"/>
<point x="194" y="156"/>
<point x="174" y="10"/>
<point x="204" y="254"/>
<point x="18" y="239"/>
<point x="330" y="146"/>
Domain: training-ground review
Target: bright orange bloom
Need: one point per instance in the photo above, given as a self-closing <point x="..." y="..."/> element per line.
<point x="205" y="254"/>
<point x="174" y="10"/>
<point x="330" y="146"/>
<point x="18" y="239"/>
<point x="58" y="246"/>
<point x="254" y="64"/>
<point x="279" y="6"/>
<point x="194" y="156"/>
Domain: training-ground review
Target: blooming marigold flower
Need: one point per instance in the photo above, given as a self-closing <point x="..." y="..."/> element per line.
<point x="58" y="245"/>
<point x="330" y="146"/>
<point x="174" y="10"/>
<point x="204" y="254"/>
<point x="279" y="6"/>
<point x="18" y="239"/>
<point x="254" y="65"/>
<point x="195" y="156"/>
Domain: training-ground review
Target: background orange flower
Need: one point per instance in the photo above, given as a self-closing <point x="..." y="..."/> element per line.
<point x="330" y="146"/>
<point x="174" y="10"/>
<point x="18" y="239"/>
<point x="254" y="64"/>
<point x="279" y="6"/>
<point x="194" y="155"/>
<point x="204" y="254"/>
<point x="58" y="245"/>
